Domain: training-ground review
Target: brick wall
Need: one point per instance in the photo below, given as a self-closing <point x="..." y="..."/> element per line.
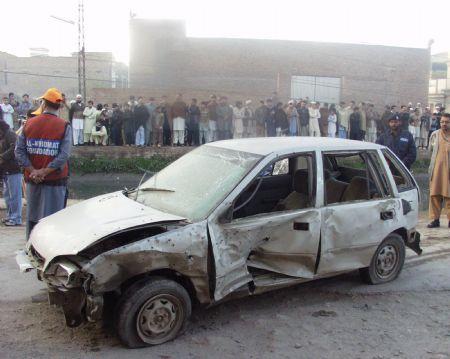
<point x="161" y="57"/>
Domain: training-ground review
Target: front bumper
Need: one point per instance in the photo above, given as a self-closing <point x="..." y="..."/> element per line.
<point x="77" y="305"/>
<point x="23" y="261"/>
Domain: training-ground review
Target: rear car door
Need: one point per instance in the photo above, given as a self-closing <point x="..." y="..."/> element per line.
<point x="360" y="217"/>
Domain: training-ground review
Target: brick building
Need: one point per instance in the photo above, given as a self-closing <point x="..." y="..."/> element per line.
<point x="35" y="74"/>
<point x="164" y="60"/>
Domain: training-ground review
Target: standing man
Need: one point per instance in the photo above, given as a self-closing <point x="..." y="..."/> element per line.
<point x="167" y="123"/>
<point x="151" y="106"/>
<point x="76" y="119"/>
<point x="12" y="176"/>
<point x="439" y="172"/>
<point x="249" y="121"/>
<point x="355" y="125"/>
<point x="178" y="115"/>
<point x="260" y="114"/>
<point x="343" y="113"/>
<point x="116" y="125"/>
<point x="7" y="111"/>
<point x="372" y="120"/>
<point x="270" y="118"/>
<point x="141" y="116"/>
<point x="224" y="118"/>
<point x="404" y="117"/>
<point x="303" y="115"/>
<point x="323" y="123"/>
<point x="385" y="118"/>
<point x="399" y="141"/>
<point x="212" y="118"/>
<point x="314" y="116"/>
<point x="24" y="106"/>
<point x="90" y="117"/>
<point x="43" y="149"/>
<point x="193" y="123"/>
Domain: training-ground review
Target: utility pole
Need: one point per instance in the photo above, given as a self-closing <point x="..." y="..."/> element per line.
<point x="81" y="51"/>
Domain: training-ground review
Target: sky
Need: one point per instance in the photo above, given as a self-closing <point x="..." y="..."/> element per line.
<point x="408" y="23"/>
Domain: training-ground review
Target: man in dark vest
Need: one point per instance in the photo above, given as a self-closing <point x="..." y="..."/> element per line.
<point x="43" y="150"/>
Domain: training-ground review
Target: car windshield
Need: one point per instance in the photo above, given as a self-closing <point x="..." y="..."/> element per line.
<point x="192" y="186"/>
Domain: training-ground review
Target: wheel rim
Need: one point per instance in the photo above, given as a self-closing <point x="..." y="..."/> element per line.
<point x="159" y="318"/>
<point x="387" y="260"/>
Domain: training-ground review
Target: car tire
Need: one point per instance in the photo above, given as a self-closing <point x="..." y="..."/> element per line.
<point x="387" y="262"/>
<point x="152" y="312"/>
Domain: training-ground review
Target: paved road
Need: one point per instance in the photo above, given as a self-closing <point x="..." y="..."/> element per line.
<point x="332" y="318"/>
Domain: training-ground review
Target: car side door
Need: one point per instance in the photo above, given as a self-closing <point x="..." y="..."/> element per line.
<point x="285" y="242"/>
<point x="366" y="212"/>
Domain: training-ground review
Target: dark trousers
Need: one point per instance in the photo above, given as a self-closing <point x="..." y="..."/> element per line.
<point x="130" y="134"/>
<point x="116" y="135"/>
<point x="30" y="226"/>
<point x="167" y="136"/>
<point x="193" y="135"/>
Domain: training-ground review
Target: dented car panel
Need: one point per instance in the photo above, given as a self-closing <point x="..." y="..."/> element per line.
<point x="76" y="227"/>
<point x="351" y="233"/>
<point x="269" y="242"/>
<point x="183" y="250"/>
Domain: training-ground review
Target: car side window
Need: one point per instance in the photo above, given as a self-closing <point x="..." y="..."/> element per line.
<point x="402" y="178"/>
<point x="353" y="177"/>
<point x="287" y="184"/>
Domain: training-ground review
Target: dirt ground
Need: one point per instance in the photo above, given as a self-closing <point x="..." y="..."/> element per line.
<point x="333" y="318"/>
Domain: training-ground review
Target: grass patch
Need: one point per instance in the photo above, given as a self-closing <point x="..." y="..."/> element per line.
<point x="120" y="165"/>
<point x="421" y="165"/>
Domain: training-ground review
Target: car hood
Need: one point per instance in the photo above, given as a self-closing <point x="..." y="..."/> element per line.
<point x="76" y="227"/>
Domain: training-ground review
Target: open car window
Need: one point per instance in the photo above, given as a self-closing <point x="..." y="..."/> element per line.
<point x="402" y="177"/>
<point x="351" y="176"/>
<point x="286" y="184"/>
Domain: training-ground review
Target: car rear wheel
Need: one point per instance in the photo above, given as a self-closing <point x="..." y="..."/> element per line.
<point x="387" y="262"/>
<point x="152" y="312"/>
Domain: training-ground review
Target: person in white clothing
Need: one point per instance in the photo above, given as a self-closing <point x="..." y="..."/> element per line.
<point x="238" y="115"/>
<point x="332" y="120"/>
<point x="314" y="115"/>
<point x="77" y="119"/>
<point x="7" y="111"/>
<point x="90" y="116"/>
<point x="99" y="135"/>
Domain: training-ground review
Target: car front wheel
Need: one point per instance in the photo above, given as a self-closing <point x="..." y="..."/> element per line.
<point x="152" y="312"/>
<point x="387" y="262"/>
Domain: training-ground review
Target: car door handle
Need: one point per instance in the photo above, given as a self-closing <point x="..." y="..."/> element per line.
<point x="301" y="226"/>
<point x="384" y="216"/>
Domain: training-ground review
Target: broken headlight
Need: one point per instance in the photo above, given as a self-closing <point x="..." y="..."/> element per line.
<point x="64" y="273"/>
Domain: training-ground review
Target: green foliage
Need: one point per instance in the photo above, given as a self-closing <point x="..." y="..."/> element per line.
<point x="120" y="165"/>
<point x="421" y="165"/>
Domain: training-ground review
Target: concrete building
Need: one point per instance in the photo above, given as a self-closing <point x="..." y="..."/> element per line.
<point x="163" y="59"/>
<point x="34" y="74"/>
<point x="439" y="87"/>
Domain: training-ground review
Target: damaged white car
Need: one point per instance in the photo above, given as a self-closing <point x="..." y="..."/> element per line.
<point x="230" y="218"/>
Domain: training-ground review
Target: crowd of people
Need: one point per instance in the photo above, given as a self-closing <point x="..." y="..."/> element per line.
<point x="37" y="140"/>
<point x="152" y="122"/>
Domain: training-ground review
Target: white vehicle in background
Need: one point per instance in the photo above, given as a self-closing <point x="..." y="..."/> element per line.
<point x="230" y="218"/>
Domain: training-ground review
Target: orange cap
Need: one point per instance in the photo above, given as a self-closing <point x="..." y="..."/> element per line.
<point x="52" y="95"/>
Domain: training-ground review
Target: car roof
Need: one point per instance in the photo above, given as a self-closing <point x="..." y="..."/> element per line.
<point x="267" y="145"/>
